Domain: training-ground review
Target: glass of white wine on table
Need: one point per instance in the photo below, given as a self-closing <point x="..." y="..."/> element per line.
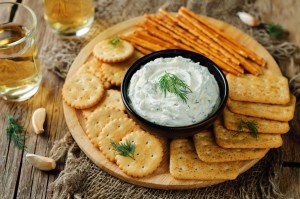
<point x="20" y="70"/>
<point x="69" y="17"/>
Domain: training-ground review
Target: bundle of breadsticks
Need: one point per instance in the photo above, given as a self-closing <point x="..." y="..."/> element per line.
<point x="190" y="31"/>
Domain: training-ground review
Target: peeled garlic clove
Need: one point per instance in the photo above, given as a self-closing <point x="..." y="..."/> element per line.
<point x="38" y="119"/>
<point x="41" y="162"/>
<point x="248" y="19"/>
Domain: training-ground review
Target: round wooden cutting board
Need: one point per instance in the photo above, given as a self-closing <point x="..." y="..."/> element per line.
<point x="161" y="178"/>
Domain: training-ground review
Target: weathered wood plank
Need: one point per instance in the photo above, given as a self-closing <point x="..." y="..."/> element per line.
<point x="290" y="181"/>
<point x="22" y="180"/>
<point x="48" y="97"/>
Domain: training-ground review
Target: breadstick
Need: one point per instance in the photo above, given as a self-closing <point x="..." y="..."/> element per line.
<point x="186" y="27"/>
<point x="260" y="61"/>
<point x="199" y="49"/>
<point x="143" y="43"/>
<point x="141" y="49"/>
<point x="219" y="53"/>
<point x="190" y="27"/>
<point x="154" y="31"/>
<point x="150" y="38"/>
<point x="245" y="64"/>
<point x="200" y="40"/>
<point x="190" y="40"/>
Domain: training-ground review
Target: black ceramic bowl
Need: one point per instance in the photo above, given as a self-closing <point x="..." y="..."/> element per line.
<point x="182" y="131"/>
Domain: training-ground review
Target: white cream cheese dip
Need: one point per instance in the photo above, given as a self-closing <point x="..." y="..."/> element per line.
<point x="167" y="109"/>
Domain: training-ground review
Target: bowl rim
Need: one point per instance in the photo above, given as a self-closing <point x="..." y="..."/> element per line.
<point x="165" y="54"/>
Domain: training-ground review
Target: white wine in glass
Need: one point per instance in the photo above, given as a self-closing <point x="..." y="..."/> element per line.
<point x="69" y="17"/>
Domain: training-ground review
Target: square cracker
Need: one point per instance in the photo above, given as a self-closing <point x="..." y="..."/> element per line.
<point x="233" y="120"/>
<point x="208" y="150"/>
<point x="268" y="111"/>
<point x="260" y="89"/>
<point x="185" y="164"/>
<point x="232" y="139"/>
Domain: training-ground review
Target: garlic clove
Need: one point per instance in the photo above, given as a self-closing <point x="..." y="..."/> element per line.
<point x="248" y="19"/>
<point x="41" y="162"/>
<point x="38" y="119"/>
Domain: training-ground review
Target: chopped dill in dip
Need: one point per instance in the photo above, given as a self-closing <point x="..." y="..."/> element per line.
<point x="167" y="108"/>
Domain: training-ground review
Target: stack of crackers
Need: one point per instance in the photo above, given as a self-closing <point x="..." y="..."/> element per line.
<point x="262" y="101"/>
<point x="214" y="154"/>
<point x="95" y="90"/>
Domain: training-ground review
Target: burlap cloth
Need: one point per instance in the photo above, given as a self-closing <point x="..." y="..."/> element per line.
<point x="80" y="178"/>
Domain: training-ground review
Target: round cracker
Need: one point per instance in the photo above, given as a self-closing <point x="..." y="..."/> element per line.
<point x="107" y="52"/>
<point x="98" y="119"/>
<point x="115" y="130"/>
<point x="82" y="91"/>
<point x="148" y="154"/>
<point x="93" y="67"/>
<point x="114" y="73"/>
<point x="112" y="99"/>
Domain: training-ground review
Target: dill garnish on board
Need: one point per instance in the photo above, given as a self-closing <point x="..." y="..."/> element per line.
<point x="173" y="84"/>
<point x="14" y="132"/>
<point x="251" y="125"/>
<point x="274" y="30"/>
<point x="127" y="149"/>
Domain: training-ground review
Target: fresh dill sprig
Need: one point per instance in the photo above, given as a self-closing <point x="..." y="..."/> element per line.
<point x="127" y="149"/>
<point x="274" y="30"/>
<point x="173" y="84"/>
<point x="14" y="132"/>
<point x="115" y="42"/>
<point x="251" y="125"/>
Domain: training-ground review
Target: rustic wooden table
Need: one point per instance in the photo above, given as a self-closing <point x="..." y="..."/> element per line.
<point x="18" y="179"/>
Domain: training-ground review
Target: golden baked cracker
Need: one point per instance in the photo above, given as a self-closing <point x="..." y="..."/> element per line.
<point x="148" y="154"/>
<point x="232" y="139"/>
<point x="93" y="67"/>
<point x="82" y="91"/>
<point x="233" y="120"/>
<point x="112" y="99"/>
<point x="114" y="73"/>
<point x="98" y="119"/>
<point x="113" y="50"/>
<point x="185" y="164"/>
<point x="268" y="111"/>
<point x="260" y="89"/>
<point x="115" y="130"/>
<point x="208" y="150"/>
<point x="107" y="85"/>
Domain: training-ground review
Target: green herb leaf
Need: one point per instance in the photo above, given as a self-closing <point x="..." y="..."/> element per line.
<point x="14" y="132"/>
<point x="274" y="30"/>
<point x="115" y="42"/>
<point x="173" y="84"/>
<point x="251" y="125"/>
<point x="126" y="149"/>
